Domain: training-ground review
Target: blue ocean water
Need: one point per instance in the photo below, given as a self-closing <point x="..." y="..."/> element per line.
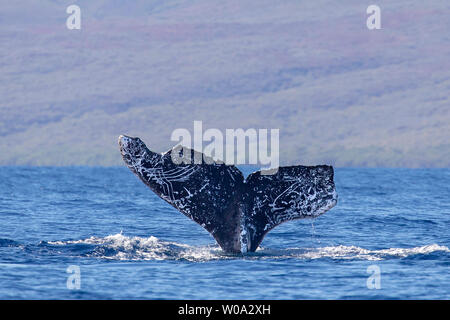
<point x="388" y="238"/>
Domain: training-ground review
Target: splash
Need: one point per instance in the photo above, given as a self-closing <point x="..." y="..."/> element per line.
<point x="121" y="247"/>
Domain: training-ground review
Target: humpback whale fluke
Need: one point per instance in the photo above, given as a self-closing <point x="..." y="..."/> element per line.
<point x="237" y="212"/>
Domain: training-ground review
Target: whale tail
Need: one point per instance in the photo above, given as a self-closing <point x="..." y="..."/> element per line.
<point x="237" y="212"/>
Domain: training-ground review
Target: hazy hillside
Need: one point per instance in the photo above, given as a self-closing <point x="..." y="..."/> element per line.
<point x="339" y="93"/>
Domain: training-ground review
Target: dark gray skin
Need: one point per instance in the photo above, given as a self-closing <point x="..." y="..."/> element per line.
<point x="238" y="213"/>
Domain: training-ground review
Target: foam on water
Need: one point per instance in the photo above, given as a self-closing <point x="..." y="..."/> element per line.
<point x="352" y="252"/>
<point x="121" y="247"/>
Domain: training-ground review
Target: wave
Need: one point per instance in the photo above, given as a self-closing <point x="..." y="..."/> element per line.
<point x="121" y="247"/>
<point x="8" y="243"/>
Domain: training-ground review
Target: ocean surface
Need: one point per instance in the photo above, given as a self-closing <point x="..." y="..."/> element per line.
<point x="100" y="233"/>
